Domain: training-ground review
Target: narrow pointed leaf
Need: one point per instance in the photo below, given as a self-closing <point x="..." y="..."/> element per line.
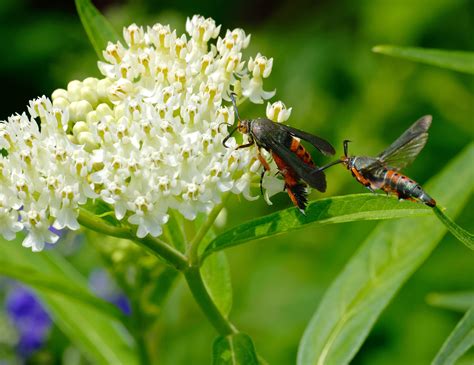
<point x="387" y="258"/>
<point x="98" y="334"/>
<point x="453" y="60"/>
<point x="54" y="284"/>
<point x="339" y="209"/>
<point x="158" y="290"/>
<point x="458" y="342"/>
<point x="457" y="301"/>
<point x="460" y="233"/>
<point x="97" y="27"/>
<point x="236" y="349"/>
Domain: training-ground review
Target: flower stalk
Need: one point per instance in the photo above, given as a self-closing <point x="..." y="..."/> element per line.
<point x="153" y="244"/>
<point x="146" y="139"/>
<point x="188" y="265"/>
<point x="202" y="297"/>
<point x="196" y="241"/>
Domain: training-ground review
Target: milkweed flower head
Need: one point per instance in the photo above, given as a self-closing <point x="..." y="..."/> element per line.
<point x="145" y="138"/>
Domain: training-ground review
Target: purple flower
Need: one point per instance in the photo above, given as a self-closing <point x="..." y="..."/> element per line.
<point x="30" y="319"/>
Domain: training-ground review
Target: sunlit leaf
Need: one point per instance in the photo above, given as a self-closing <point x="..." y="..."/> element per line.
<point x="458" y="342"/>
<point x="97" y="27"/>
<point x="339" y="209"/>
<point x="388" y="257"/>
<point x="216" y="276"/>
<point x="453" y="60"/>
<point x="458" y="301"/>
<point x="236" y="349"/>
<point x="98" y="334"/>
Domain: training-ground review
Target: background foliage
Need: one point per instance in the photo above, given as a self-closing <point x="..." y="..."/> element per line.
<point x="338" y="88"/>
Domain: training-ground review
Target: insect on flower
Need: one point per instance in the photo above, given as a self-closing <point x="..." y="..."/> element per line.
<point x="382" y="172"/>
<point x="294" y="163"/>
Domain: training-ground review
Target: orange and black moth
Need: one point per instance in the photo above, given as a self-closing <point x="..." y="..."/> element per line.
<point x="382" y="172"/>
<point x="294" y="163"/>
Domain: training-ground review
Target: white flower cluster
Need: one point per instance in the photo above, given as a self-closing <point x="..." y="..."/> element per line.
<point x="144" y="139"/>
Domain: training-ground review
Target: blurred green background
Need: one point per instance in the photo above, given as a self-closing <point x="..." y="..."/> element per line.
<point x="324" y="69"/>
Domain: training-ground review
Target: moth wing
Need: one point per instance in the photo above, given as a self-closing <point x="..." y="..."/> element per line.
<point x="308" y="173"/>
<point x="404" y="150"/>
<point x="321" y="144"/>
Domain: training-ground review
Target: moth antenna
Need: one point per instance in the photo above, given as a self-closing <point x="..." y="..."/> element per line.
<point x="346" y="146"/>
<point x="228" y="136"/>
<point x="227" y="124"/>
<point x="232" y="97"/>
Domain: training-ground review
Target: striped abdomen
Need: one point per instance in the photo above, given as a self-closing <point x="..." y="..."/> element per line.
<point x="296" y="147"/>
<point x="404" y="187"/>
<point x="295" y="188"/>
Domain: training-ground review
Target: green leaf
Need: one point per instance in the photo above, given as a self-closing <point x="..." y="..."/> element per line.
<point x="461" y="234"/>
<point x="174" y="230"/>
<point x="458" y="301"/>
<point x="48" y="283"/>
<point x="387" y="258"/>
<point x="216" y="276"/>
<point x="458" y="342"/>
<point x="98" y="334"/>
<point x="97" y="27"/>
<point x="337" y="209"/>
<point x="453" y="60"/>
<point x="236" y="349"/>
<point x="157" y="291"/>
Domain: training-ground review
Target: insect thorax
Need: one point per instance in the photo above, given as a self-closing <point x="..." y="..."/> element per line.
<point x="361" y="162"/>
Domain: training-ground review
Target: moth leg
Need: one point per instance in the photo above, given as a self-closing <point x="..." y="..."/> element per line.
<point x="405" y="197"/>
<point x="251" y="143"/>
<point x="386" y="189"/>
<point x="370" y="189"/>
<point x="261" y="181"/>
<point x="266" y="167"/>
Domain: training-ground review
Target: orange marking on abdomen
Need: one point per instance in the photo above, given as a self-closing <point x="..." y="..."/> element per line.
<point x="292" y="196"/>
<point x="388" y="175"/>
<point x="301" y="152"/>
<point x="287" y="172"/>
<point x="295" y="144"/>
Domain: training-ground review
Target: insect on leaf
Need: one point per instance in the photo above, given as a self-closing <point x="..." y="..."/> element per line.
<point x="387" y="258"/>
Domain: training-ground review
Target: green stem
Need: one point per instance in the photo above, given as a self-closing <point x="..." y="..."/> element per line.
<point x="194" y="245"/>
<point x="93" y="222"/>
<point x="155" y="245"/>
<point x="200" y="294"/>
<point x="189" y="267"/>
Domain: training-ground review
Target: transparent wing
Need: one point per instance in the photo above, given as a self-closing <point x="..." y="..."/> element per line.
<point x="404" y="150"/>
